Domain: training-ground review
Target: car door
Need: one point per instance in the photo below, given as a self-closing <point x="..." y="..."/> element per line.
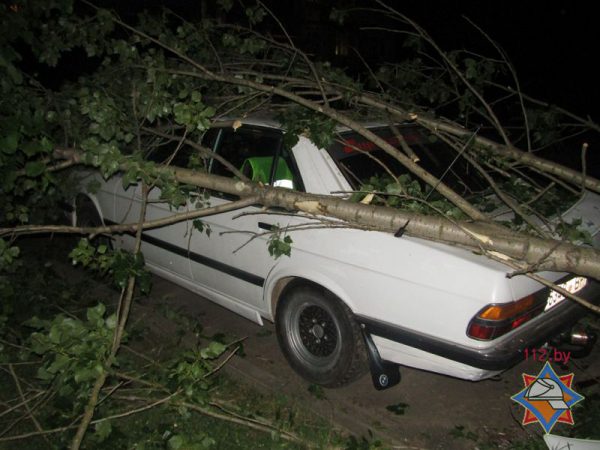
<point x="164" y="248"/>
<point x="236" y="257"/>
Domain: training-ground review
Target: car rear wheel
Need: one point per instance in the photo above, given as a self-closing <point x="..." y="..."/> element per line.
<point x="319" y="336"/>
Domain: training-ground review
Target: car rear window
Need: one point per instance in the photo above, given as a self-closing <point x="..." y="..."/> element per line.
<point x="360" y="159"/>
<point x="366" y="166"/>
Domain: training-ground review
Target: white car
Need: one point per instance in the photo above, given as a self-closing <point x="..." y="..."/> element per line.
<point x="345" y="296"/>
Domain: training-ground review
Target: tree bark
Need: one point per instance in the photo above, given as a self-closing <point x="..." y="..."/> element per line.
<point x="539" y="254"/>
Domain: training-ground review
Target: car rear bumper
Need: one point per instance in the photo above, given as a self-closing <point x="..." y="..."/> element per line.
<point x="503" y="352"/>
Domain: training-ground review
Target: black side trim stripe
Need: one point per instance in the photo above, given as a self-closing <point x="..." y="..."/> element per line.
<point x="196" y="257"/>
<point x="265" y="226"/>
<point x="471" y="357"/>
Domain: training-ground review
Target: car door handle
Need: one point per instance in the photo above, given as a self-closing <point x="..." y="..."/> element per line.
<point x="265" y="226"/>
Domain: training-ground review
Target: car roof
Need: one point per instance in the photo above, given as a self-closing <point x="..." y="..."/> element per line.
<point x="267" y="119"/>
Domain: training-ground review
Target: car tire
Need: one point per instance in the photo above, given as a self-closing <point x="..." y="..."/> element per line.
<point x="319" y="336"/>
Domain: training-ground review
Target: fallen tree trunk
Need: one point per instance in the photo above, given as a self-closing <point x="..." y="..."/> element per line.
<point x="493" y="240"/>
<point x="539" y="254"/>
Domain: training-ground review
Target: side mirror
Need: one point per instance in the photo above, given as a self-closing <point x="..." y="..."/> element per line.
<point x="287" y="184"/>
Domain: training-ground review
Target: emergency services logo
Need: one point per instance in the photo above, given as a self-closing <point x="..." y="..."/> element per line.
<point x="548" y="398"/>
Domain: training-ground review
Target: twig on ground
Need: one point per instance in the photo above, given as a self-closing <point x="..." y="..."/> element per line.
<point x="25" y="403"/>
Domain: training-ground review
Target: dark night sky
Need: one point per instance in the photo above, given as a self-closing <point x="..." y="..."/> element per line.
<point x="553" y="44"/>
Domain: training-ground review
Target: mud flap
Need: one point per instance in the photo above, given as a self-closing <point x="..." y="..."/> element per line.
<point x="384" y="374"/>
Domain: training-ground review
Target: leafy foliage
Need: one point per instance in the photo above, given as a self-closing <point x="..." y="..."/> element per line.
<point x="302" y="121"/>
<point x="317" y="391"/>
<point x="202" y="226"/>
<point x="71" y="341"/>
<point x="146" y="79"/>
<point x="278" y="244"/>
<point x="406" y="193"/>
<point x="73" y="351"/>
<point x="120" y="264"/>
<point x="190" y="371"/>
<point x="8" y="254"/>
<point x="399" y="408"/>
<point x="573" y="232"/>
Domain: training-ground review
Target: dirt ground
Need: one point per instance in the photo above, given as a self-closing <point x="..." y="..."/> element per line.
<point x="425" y="410"/>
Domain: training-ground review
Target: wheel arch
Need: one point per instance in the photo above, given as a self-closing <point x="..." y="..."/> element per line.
<point x="279" y="284"/>
<point x="82" y="199"/>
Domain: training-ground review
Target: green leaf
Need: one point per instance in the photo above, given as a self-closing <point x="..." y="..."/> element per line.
<point x="399" y="408"/>
<point x="44" y="375"/>
<point x="213" y="350"/>
<point x="102" y="430"/>
<point x="96" y="313"/>
<point x="34" y="168"/>
<point x="198" y="225"/>
<point x="31" y="148"/>
<point x="9" y="144"/>
<point x="209" y="111"/>
<point x="317" y="391"/>
<point x="574" y="232"/>
<point x="55" y="334"/>
<point x="278" y="246"/>
<point x="130" y="177"/>
<point x="111" y="322"/>
<point x="176" y="442"/>
<point x="60" y="362"/>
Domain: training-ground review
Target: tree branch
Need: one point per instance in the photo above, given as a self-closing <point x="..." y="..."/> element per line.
<point x="122" y="316"/>
<point x="129" y="227"/>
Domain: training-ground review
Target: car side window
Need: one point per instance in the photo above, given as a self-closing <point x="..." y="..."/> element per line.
<point x="259" y="155"/>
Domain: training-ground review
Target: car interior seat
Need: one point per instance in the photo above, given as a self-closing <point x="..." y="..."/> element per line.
<point x="258" y="169"/>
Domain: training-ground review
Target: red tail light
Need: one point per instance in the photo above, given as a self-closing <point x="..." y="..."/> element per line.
<point x="497" y="319"/>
